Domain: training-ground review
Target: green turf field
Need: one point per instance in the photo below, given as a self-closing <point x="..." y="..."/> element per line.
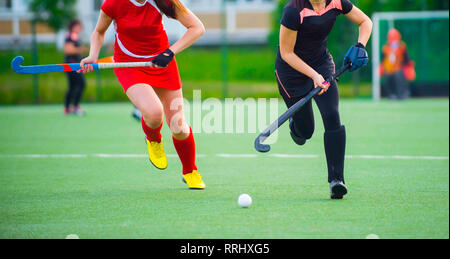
<point x="89" y="176"/>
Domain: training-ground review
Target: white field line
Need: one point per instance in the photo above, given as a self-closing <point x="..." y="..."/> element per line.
<point x="237" y="155"/>
<point x="294" y="156"/>
<point x="134" y="155"/>
<point x="399" y="157"/>
<point x="45" y="156"/>
<point x="289" y="156"/>
<point x="120" y="155"/>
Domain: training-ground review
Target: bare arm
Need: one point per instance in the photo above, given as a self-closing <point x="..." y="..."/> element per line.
<point x="98" y="36"/>
<point x="288" y="39"/>
<point x="195" y="29"/>
<point x="97" y="39"/>
<point x="363" y="21"/>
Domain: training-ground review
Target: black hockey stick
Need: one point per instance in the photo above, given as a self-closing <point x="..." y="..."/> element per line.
<point x="259" y="146"/>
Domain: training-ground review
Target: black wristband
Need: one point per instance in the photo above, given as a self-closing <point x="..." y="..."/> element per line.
<point x="170" y="52"/>
<point x="360" y="45"/>
<point x="163" y="59"/>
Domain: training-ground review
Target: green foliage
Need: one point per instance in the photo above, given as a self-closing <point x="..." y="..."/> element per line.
<point x="56" y="13"/>
<point x="371" y="6"/>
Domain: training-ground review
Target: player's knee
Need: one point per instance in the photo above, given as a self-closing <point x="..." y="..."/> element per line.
<point x="153" y="116"/>
<point x="181" y="132"/>
<point x="303" y="129"/>
<point x="308" y="133"/>
<point x="179" y="128"/>
<point x="332" y="120"/>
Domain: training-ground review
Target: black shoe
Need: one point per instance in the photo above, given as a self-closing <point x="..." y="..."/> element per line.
<point x="337" y="190"/>
<point x="298" y="140"/>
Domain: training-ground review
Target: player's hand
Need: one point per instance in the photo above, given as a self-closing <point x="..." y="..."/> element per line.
<point x="85" y="68"/>
<point x="163" y="59"/>
<point x="319" y="81"/>
<point x="357" y="57"/>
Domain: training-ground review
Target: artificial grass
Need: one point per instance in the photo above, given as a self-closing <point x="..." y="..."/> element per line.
<point x="126" y="197"/>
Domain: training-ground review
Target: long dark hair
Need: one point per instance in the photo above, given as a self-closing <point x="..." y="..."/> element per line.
<point x="73" y="23"/>
<point x="170" y="7"/>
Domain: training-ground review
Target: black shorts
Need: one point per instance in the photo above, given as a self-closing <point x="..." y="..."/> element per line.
<point x="295" y="84"/>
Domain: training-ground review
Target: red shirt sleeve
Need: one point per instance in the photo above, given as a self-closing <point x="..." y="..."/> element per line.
<point x="108" y="7"/>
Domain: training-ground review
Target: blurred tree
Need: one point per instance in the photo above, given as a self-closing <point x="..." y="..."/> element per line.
<point x="56" y="13"/>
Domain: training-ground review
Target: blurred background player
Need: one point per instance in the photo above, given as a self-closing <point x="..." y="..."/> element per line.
<point x="303" y="62"/>
<point x="73" y="51"/>
<point x="396" y="67"/>
<point x="156" y="90"/>
<point x="137" y="114"/>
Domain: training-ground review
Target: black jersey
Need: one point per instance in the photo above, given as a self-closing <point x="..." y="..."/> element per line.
<point x="72" y="58"/>
<point x="313" y="30"/>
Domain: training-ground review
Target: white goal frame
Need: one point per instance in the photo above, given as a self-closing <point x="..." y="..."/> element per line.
<point x="391" y="17"/>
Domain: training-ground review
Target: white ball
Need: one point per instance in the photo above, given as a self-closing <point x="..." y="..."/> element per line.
<point x="245" y="200"/>
<point x="72" y="236"/>
<point x="372" y="236"/>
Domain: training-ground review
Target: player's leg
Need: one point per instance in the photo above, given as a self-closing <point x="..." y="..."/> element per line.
<point x="334" y="140"/>
<point x="147" y="101"/>
<point x="301" y="125"/>
<point x="403" y="88"/>
<point x="70" y="92"/>
<point x="183" y="138"/>
<point x="391" y="84"/>
<point x="79" y="89"/>
<point x="388" y="87"/>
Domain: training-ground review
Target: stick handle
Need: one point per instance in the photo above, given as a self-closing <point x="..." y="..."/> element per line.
<point x="97" y="66"/>
<point x="122" y="64"/>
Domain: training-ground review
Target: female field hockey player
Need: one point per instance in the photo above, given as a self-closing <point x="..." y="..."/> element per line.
<point x="303" y="62"/>
<point x="155" y="90"/>
<point x="73" y="51"/>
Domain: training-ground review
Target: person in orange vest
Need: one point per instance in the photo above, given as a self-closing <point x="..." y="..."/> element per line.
<point x="396" y="67"/>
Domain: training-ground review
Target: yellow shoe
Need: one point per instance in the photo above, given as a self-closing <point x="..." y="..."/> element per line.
<point x="194" y="180"/>
<point x="156" y="154"/>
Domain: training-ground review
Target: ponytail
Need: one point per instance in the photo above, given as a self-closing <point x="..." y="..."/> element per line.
<point x="170" y="7"/>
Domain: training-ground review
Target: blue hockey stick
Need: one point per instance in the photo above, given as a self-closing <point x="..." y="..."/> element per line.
<point x="16" y="64"/>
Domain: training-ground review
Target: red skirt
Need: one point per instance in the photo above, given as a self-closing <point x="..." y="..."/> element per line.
<point x="167" y="78"/>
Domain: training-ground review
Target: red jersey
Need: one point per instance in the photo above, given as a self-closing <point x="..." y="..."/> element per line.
<point x="139" y="30"/>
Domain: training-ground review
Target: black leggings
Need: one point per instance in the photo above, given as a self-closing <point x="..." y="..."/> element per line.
<point x="328" y="104"/>
<point x="77" y="84"/>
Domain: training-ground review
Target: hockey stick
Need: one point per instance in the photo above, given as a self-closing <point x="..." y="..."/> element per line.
<point x="259" y="146"/>
<point x="18" y="68"/>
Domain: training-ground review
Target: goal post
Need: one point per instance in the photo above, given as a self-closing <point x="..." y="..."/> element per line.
<point x="419" y="29"/>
